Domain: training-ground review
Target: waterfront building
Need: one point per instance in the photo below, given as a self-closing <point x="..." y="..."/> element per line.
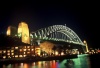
<point x="14" y="48"/>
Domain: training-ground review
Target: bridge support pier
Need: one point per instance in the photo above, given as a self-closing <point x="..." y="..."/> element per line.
<point x="80" y="48"/>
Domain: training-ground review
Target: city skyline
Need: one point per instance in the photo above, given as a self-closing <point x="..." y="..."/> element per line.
<point x="37" y="17"/>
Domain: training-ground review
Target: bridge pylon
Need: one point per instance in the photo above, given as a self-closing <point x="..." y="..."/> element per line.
<point x="86" y="46"/>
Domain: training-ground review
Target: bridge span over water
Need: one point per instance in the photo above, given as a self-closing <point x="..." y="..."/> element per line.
<point x="58" y="33"/>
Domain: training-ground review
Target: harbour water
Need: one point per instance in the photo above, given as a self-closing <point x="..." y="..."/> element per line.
<point x="83" y="61"/>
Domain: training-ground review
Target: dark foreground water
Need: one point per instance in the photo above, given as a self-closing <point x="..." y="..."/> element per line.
<point x="82" y="62"/>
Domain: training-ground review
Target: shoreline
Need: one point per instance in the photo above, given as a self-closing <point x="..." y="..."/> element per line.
<point x="35" y="59"/>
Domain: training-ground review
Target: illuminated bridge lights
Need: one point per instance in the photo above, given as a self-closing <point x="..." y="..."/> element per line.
<point x="58" y="33"/>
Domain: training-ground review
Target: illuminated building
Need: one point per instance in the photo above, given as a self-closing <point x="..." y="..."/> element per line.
<point x="13" y="48"/>
<point x="11" y="31"/>
<point x="19" y="51"/>
<point x="23" y="32"/>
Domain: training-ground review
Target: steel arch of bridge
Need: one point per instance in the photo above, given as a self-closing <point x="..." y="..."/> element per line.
<point x="57" y="33"/>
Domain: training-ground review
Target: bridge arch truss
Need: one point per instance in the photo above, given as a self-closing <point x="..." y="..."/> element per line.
<point x="57" y="33"/>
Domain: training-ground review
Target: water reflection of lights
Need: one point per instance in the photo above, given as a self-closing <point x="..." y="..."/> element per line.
<point x="9" y="66"/>
<point x="33" y="64"/>
<point x="39" y="64"/>
<point x="26" y="65"/>
<point x="82" y="60"/>
<point x="54" y="64"/>
<point x="21" y="64"/>
<point x="44" y="64"/>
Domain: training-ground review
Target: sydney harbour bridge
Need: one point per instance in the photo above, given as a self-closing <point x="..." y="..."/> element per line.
<point x="59" y="34"/>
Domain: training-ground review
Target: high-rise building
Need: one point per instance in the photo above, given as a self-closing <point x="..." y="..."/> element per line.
<point x="11" y="31"/>
<point x="23" y="32"/>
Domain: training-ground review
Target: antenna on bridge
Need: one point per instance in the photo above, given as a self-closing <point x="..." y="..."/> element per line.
<point x="65" y="24"/>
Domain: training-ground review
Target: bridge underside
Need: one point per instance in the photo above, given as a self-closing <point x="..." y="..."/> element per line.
<point x="80" y="48"/>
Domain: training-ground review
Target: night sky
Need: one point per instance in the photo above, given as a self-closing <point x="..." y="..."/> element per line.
<point x="81" y="17"/>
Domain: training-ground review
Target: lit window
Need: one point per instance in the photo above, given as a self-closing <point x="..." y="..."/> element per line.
<point x="16" y="47"/>
<point x="62" y="53"/>
<point x="20" y="56"/>
<point x="12" y="50"/>
<point x="32" y="49"/>
<point x="12" y="53"/>
<point x="4" y="51"/>
<point x="20" y="49"/>
<point x="8" y="53"/>
<point x="24" y="55"/>
<point x="16" y="56"/>
<point x="28" y="46"/>
<point x="4" y="57"/>
<point x="56" y="53"/>
<point x="28" y="49"/>
<point x="24" y="49"/>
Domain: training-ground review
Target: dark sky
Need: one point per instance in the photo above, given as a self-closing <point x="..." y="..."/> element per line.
<point x="81" y="17"/>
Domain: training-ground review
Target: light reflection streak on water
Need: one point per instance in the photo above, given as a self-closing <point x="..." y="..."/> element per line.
<point x="26" y="65"/>
<point x="81" y="62"/>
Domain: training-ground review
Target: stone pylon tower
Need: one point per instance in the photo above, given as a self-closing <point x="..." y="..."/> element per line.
<point x="86" y="46"/>
<point x="11" y="31"/>
<point x="23" y="32"/>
